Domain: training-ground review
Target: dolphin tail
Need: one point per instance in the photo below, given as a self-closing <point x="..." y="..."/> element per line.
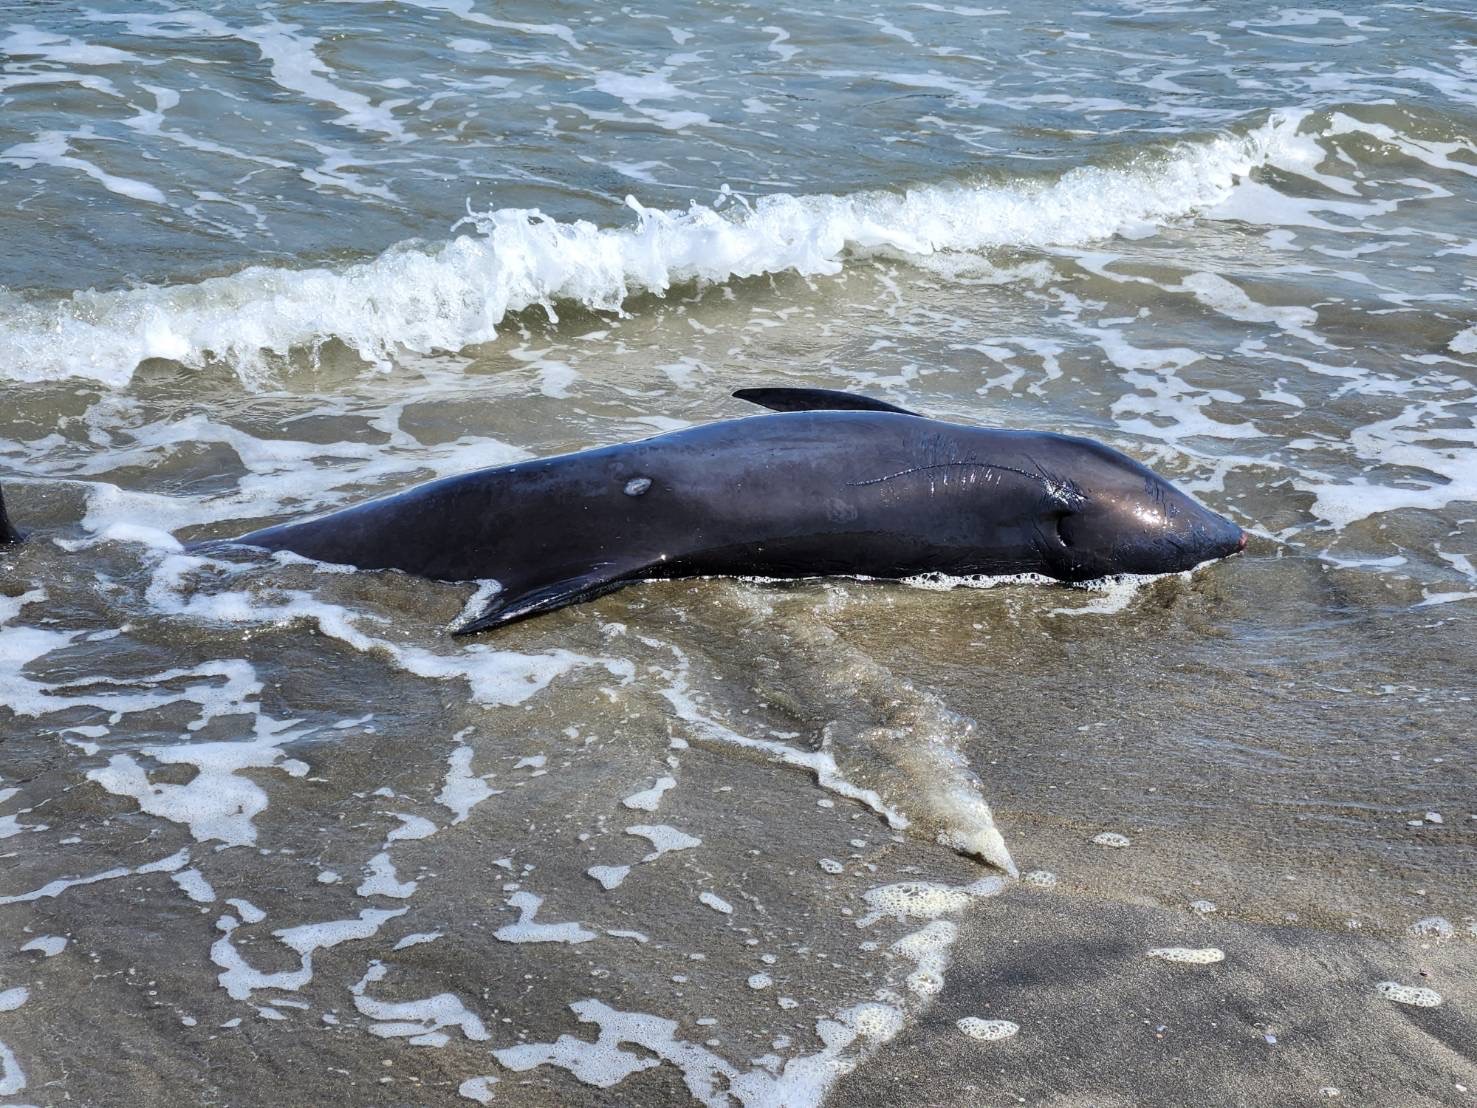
<point x="812" y="400"/>
<point x="8" y="533"/>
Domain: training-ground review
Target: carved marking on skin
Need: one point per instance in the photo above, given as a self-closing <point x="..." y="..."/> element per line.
<point x="1062" y="491"/>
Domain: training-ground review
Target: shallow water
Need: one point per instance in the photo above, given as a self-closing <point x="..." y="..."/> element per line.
<point x="265" y="260"/>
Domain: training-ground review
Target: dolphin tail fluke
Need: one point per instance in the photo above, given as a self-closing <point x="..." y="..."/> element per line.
<point x="814" y="400"/>
<point x="510" y="607"/>
<point x="8" y="533"/>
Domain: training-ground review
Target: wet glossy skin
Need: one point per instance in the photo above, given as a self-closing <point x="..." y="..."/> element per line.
<point x="8" y="533"/>
<point x="796" y="494"/>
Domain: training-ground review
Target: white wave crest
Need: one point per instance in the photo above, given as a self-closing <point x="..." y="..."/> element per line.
<point x="455" y="294"/>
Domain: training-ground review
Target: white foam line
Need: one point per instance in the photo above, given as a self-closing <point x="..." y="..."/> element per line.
<point x="495" y="677"/>
<point x="54" y="889"/>
<point x="240" y="979"/>
<point x="463" y="10"/>
<point x="457" y="294"/>
<point x="52" y="148"/>
<point x="710" y="1079"/>
<point x="296" y="67"/>
<point x="25" y="41"/>
<point x="417" y="1021"/>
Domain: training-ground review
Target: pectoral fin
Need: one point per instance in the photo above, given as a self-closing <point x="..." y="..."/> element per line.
<point x="814" y="400"/>
<point x="510" y="607"/>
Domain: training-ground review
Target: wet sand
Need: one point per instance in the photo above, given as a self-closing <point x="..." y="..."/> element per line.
<point x="1222" y="784"/>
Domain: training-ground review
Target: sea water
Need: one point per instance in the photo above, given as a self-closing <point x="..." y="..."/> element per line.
<point x="268" y="259"/>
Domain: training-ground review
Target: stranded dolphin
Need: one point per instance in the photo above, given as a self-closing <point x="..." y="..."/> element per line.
<point x="834" y="485"/>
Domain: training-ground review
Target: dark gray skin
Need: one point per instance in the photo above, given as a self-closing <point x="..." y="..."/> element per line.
<point x="814" y="491"/>
<point x="8" y="534"/>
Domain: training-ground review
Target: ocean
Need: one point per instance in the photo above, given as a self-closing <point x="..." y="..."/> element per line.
<point x="272" y="835"/>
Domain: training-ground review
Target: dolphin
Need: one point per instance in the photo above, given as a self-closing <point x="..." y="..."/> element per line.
<point x="831" y="484"/>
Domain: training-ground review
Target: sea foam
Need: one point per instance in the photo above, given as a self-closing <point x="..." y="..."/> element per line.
<point x="456" y="293"/>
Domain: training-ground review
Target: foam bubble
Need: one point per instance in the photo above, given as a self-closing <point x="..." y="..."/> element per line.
<point x="1433" y="927"/>
<point x="218" y="803"/>
<point x="987" y="1031"/>
<point x="924" y="899"/>
<point x="916" y="900"/>
<point x="1112" y="839"/>
<point x="478" y="1088"/>
<point x="48" y="946"/>
<point x="874" y="1020"/>
<point x="420" y="1022"/>
<point x="928" y="949"/>
<point x="648" y="799"/>
<point x="12" y="1077"/>
<point x="716" y="902"/>
<point x="383" y="880"/>
<point x="1414" y="995"/>
<point x="248" y="911"/>
<point x="527" y="930"/>
<point x="1189" y="956"/>
<point x="411" y="827"/>
<point x="417" y="939"/>
<point x="711" y="1080"/>
<point x="664" y="839"/>
<point x="935" y="775"/>
<point x="1042" y="879"/>
<point x="609" y="877"/>
<point x="463" y="790"/>
<point x="194" y="885"/>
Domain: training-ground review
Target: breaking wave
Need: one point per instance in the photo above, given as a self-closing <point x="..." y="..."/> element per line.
<point x="456" y="294"/>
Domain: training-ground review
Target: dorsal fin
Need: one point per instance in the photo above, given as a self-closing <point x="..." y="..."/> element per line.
<point x="813" y="400"/>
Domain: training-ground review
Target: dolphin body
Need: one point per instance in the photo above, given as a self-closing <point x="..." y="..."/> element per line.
<point x="833" y="485"/>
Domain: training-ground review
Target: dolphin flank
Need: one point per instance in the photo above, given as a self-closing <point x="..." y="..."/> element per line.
<point x="834" y="485"/>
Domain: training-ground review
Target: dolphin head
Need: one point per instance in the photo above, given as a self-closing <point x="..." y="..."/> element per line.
<point x="1109" y="514"/>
